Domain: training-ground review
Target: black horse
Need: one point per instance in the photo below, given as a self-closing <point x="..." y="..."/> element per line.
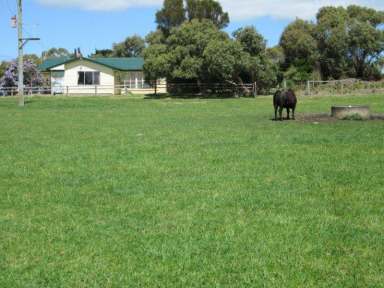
<point x="285" y="99"/>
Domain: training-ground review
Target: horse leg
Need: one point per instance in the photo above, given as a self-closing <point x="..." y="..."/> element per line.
<point x="287" y="113"/>
<point x="293" y="113"/>
<point x="276" y="113"/>
<point x="281" y="113"/>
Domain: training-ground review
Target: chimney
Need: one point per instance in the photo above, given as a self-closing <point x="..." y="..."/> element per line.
<point x="78" y="53"/>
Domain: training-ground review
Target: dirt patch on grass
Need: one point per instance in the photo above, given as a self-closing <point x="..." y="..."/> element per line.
<point x="325" y="117"/>
<point x="315" y="118"/>
<point x="377" y="117"/>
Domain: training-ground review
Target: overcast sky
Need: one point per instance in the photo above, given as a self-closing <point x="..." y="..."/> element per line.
<point x="91" y="24"/>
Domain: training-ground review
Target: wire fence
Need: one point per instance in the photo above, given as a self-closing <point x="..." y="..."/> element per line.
<point x="226" y="90"/>
<point x="342" y="87"/>
<point x="151" y="88"/>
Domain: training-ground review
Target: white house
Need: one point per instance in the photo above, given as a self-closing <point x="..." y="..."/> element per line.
<point x="96" y="76"/>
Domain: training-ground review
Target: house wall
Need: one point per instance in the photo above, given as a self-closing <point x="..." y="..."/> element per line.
<point x="134" y="82"/>
<point x="161" y="88"/>
<point x="111" y="81"/>
<point x="46" y="78"/>
<point x="107" y="79"/>
<point x="58" y="68"/>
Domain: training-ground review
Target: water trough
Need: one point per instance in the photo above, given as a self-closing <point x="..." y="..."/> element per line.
<point x="351" y="112"/>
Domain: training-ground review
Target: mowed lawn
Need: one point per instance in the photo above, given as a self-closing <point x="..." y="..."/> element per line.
<point x="119" y="192"/>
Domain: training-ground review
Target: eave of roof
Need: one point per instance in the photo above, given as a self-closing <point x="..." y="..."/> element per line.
<point x="53" y="62"/>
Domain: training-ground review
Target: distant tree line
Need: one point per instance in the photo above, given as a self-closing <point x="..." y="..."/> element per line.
<point x="190" y="46"/>
<point x="342" y="43"/>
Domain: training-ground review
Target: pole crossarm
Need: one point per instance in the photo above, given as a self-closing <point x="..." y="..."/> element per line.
<point x="26" y="40"/>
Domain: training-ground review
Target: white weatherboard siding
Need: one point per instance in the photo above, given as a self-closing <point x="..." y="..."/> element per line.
<point x="64" y="79"/>
<point x="71" y="77"/>
<point x="58" y="68"/>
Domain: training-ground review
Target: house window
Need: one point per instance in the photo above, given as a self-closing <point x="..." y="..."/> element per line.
<point x="89" y="78"/>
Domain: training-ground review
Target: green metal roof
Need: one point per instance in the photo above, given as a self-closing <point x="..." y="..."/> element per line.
<point x="123" y="64"/>
<point x="53" y="62"/>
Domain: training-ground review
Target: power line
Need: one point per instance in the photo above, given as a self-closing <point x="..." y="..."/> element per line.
<point x="8" y="6"/>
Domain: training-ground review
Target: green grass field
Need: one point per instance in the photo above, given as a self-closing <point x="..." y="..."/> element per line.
<point x="114" y="192"/>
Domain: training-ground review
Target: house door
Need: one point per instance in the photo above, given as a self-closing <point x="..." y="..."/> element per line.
<point x="57" y="82"/>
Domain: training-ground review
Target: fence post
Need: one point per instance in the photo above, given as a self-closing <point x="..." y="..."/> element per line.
<point x="67" y="90"/>
<point x="255" y="89"/>
<point x="308" y="88"/>
<point x="95" y="90"/>
<point x="126" y="90"/>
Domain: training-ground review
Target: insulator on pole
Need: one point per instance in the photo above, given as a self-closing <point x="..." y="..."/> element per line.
<point x="14" y="22"/>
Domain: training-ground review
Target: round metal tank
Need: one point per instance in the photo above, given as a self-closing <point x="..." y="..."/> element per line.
<point x="351" y="112"/>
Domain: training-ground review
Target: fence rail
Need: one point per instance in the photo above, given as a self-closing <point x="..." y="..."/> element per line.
<point x="341" y="87"/>
<point x="310" y="88"/>
<point x="69" y="90"/>
<point x="217" y="89"/>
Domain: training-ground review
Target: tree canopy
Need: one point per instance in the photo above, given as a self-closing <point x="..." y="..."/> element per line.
<point x="199" y="52"/>
<point x="174" y="13"/>
<point x="55" y="52"/>
<point x="300" y="49"/>
<point x="131" y="47"/>
<point x="251" y="40"/>
<point x="171" y="15"/>
<point x="209" y="10"/>
<point x="343" y="42"/>
<point x="32" y="76"/>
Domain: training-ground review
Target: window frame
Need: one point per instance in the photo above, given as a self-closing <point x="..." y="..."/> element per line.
<point x="93" y="73"/>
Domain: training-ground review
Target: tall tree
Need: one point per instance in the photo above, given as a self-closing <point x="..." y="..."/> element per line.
<point x="259" y="67"/>
<point x="171" y="15"/>
<point x="276" y="54"/>
<point x="350" y="40"/>
<point x="155" y="37"/>
<point x="131" y="47"/>
<point x="207" y="9"/>
<point x="332" y="37"/>
<point x="251" y="40"/>
<point x="187" y="44"/>
<point x="199" y="52"/>
<point x="225" y="59"/>
<point x="157" y="63"/>
<point x="300" y="48"/>
<point x="365" y="38"/>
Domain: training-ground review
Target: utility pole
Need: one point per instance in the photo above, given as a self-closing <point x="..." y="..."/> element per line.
<point x="20" y="44"/>
<point x="20" y="49"/>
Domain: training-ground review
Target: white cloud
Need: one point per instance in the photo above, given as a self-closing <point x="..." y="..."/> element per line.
<point x="102" y="5"/>
<point x="238" y="9"/>
<point x="242" y="9"/>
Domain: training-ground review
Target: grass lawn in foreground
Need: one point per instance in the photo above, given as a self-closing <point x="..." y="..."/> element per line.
<point x="113" y="192"/>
